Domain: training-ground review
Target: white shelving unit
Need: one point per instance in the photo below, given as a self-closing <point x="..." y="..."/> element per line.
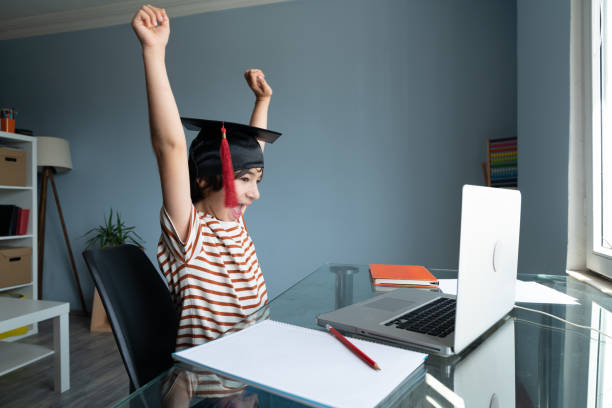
<point x="17" y="313"/>
<point x="24" y="197"/>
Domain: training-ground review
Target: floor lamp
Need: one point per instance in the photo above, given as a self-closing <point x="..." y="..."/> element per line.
<point x="53" y="157"/>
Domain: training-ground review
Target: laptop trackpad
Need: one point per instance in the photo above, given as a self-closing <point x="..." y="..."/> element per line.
<point x="390" y="304"/>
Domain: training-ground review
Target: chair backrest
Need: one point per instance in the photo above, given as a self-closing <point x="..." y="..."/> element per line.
<point x="139" y="309"/>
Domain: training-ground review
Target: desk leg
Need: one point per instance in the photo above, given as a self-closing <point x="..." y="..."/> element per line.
<point x="62" y="354"/>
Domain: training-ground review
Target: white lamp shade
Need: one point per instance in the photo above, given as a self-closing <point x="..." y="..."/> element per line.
<point x="54" y="152"/>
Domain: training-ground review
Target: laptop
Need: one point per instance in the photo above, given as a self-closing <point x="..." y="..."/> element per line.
<point x="443" y="324"/>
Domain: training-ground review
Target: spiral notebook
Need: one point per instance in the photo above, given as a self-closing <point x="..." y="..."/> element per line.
<point x="306" y="365"/>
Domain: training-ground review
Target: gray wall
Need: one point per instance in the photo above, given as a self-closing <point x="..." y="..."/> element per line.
<point x="385" y="108"/>
<point x="543" y="37"/>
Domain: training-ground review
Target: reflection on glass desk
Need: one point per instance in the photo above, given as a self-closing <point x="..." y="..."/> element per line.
<point x="527" y="360"/>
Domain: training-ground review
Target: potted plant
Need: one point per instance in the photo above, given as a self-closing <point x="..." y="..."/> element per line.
<point x="113" y="232"/>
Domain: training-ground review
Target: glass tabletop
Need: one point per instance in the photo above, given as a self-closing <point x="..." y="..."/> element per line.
<point x="527" y="360"/>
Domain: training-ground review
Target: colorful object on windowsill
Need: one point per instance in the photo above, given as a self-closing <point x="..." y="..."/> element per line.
<point x="501" y="168"/>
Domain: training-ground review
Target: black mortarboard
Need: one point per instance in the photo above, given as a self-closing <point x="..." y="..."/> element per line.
<point x="242" y="139"/>
<point x="221" y="148"/>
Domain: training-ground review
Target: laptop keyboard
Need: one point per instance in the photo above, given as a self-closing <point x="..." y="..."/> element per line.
<point x="436" y="318"/>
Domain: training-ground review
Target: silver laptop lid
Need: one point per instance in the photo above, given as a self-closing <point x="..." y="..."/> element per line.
<point x="488" y="257"/>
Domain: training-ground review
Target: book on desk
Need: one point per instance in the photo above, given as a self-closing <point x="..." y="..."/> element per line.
<point x="389" y="277"/>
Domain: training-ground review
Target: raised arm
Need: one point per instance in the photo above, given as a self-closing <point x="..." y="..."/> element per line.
<point x="152" y="27"/>
<point x="257" y="82"/>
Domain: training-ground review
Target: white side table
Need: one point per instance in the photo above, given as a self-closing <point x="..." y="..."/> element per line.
<point x="16" y="313"/>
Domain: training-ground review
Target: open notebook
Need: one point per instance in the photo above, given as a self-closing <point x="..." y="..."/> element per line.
<point x="305" y="365"/>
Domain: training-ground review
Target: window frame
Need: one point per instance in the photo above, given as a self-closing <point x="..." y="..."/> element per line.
<point x="598" y="258"/>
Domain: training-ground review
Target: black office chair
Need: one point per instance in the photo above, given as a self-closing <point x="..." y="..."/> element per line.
<point x="139" y="309"/>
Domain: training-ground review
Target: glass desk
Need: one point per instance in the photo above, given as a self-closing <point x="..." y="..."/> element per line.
<point x="528" y="360"/>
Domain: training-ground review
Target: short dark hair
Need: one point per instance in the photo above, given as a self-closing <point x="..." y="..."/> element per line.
<point x="213" y="183"/>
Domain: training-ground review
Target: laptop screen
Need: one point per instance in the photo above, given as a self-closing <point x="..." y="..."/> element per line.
<point x="488" y="258"/>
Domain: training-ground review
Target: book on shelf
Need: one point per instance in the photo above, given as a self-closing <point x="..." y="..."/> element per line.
<point x="13" y="220"/>
<point x="6" y="217"/>
<point x="22" y="221"/>
<point x="20" y="214"/>
<point x="402" y="275"/>
<point x="26" y="132"/>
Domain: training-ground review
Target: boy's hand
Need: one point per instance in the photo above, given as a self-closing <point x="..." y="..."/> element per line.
<point x="152" y="26"/>
<point x="257" y="82"/>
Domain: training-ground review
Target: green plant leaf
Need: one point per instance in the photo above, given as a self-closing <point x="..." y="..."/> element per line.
<point x="114" y="231"/>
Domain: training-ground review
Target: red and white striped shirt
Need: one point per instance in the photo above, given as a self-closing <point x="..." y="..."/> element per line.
<point x="215" y="281"/>
<point x="214" y="277"/>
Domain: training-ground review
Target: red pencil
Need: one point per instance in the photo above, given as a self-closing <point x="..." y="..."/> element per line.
<point x="352" y="347"/>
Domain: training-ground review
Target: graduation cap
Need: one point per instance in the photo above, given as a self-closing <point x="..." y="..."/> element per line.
<point x="222" y="147"/>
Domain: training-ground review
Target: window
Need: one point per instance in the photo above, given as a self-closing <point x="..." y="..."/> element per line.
<point x="599" y="246"/>
<point x="603" y="148"/>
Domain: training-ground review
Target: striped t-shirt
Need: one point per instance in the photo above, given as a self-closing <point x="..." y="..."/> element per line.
<point x="215" y="281"/>
<point x="214" y="277"/>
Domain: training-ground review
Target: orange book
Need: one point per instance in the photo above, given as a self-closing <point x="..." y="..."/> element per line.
<point x="401" y="275"/>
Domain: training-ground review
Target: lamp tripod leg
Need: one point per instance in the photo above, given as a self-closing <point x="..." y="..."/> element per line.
<point x="41" y="228"/>
<point x="74" y="271"/>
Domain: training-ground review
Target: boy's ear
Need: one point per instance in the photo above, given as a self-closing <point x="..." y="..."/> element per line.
<point x="201" y="182"/>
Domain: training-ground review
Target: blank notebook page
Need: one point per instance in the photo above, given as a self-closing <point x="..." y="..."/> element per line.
<point x="306" y="365"/>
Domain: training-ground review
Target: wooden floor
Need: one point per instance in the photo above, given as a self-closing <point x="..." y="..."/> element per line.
<point x="97" y="375"/>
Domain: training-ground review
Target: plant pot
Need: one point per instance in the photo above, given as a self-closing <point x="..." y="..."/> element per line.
<point x="99" y="320"/>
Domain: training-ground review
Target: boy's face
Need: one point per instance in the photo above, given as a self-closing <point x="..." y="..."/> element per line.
<point x="247" y="191"/>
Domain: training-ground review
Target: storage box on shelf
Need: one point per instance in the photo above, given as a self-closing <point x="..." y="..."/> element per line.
<point x="12" y="167"/>
<point x="15" y="266"/>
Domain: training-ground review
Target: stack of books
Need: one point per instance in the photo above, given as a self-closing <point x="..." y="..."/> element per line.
<point x="389" y="277"/>
<point x="502" y="162"/>
<point x="13" y="220"/>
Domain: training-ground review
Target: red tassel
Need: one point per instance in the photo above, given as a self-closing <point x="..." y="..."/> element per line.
<point x="231" y="200"/>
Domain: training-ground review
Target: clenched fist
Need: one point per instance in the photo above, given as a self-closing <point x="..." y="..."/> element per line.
<point x="257" y="82"/>
<point x="152" y="26"/>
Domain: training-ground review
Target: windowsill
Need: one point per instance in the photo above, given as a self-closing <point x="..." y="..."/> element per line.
<point x="594" y="279"/>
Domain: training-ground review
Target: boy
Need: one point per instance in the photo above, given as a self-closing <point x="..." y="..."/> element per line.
<point x="204" y="251"/>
